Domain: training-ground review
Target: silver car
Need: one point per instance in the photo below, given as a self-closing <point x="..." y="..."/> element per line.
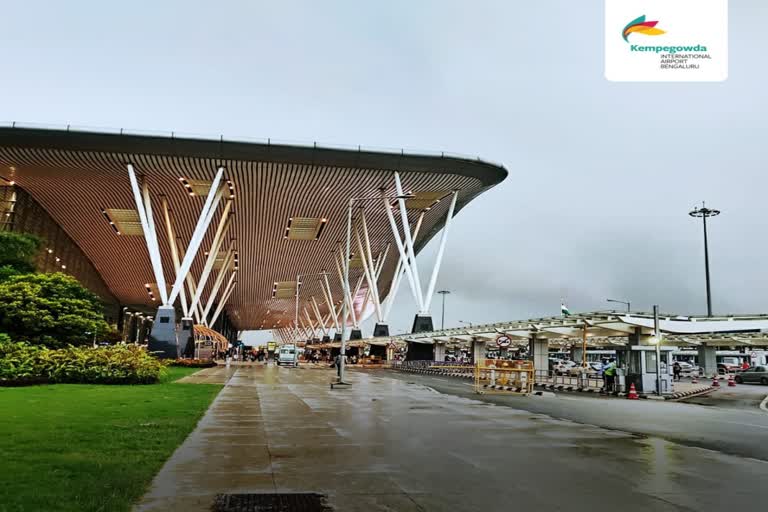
<point x="756" y="374"/>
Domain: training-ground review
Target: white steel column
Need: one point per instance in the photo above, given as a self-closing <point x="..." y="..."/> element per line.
<point x="174" y="253"/>
<point x="399" y="271"/>
<point x="311" y="323"/>
<point x="401" y="249"/>
<point x="348" y="298"/>
<point x="409" y="241"/>
<point x="217" y="284"/>
<point x="149" y="235"/>
<point x="213" y="252"/>
<point x="440" y="251"/>
<point x="211" y="203"/>
<point x="329" y="301"/>
<point x="369" y="273"/>
<point x="224" y="298"/>
<point x="320" y="319"/>
<point x="371" y="268"/>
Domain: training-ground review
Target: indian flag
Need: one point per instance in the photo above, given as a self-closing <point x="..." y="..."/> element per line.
<point x="564" y="309"/>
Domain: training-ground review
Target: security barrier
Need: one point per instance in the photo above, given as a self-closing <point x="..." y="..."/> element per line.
<point x="502" y="376"/>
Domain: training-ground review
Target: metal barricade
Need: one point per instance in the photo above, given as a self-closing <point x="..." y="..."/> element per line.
<point x="503" y="376"/>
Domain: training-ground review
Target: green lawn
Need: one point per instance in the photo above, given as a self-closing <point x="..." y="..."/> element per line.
<point x="86" y="447"/>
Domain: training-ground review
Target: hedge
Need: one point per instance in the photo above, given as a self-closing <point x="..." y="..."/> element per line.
<point x="22" y="364"/>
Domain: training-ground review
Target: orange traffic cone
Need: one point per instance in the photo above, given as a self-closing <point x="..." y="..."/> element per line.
<point x="695" y="378"/>
<point x="632" y="395"/>
<point x="715" y="381"/>
<point x="731" y="382"/>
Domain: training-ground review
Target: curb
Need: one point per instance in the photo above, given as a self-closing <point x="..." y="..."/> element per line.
<point x="694" y="392"/>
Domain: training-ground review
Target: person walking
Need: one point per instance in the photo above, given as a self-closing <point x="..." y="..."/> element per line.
<point x="677" y="370"/>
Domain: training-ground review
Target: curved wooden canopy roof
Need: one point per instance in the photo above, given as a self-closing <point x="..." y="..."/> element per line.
<point x="77" y="175"/>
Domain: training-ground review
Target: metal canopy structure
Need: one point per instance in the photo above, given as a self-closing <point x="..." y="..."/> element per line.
<point x="139" y="208"/>
<point x="609" y="328"/>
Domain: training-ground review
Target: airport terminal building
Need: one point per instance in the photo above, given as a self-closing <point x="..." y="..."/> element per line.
<point x="234" y="235"/>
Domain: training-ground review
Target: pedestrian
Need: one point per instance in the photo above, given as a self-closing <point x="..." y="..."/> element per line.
<point x="609" y="376"/>
<point x="676" y="371"/>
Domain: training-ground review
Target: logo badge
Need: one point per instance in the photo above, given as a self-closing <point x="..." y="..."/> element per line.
<point x="640" y="26"/>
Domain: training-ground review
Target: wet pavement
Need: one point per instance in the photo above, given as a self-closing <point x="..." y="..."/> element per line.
<point x="389" y="445"/>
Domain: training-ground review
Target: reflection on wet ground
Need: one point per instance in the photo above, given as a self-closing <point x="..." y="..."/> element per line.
<point x="386" y="444"/>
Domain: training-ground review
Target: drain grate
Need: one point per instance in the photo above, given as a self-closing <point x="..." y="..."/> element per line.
<point x="307" y="502"/>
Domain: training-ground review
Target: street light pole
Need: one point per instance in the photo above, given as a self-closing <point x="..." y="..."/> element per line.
<point x="657" y="334"/>
<point x="705" y="212"/>
<point x="626" y="303"/>
<point x="443" y="293"/>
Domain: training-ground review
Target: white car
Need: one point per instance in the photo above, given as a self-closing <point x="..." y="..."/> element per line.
<point x="288" y="355"/>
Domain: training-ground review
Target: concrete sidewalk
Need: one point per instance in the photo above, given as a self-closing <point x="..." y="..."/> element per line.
<point x="389" y="445"/>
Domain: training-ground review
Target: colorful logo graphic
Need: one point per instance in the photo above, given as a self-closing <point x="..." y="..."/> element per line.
<point x="642" y="27"/>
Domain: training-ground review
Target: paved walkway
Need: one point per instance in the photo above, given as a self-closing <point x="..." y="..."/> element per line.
<point x="389" y="445"/>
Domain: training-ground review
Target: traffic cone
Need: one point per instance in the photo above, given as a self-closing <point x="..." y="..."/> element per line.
<point x="715" y="381"/>
<point x="632" y="395"/>
<point x="731" y="382"/>
<point x="695" y="378"/>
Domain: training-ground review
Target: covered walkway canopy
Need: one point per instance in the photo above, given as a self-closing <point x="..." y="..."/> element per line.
<point x="605" y="329"/>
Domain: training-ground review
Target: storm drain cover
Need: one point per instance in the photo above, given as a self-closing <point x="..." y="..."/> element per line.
<point x="307" y="502"/>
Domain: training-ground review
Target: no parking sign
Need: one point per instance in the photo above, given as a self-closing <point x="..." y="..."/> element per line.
<point x="503" y="341"/>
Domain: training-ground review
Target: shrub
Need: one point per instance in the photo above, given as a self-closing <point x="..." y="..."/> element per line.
<point x="50" y="309"/>
<point x="21" y="363"/>
<point x="194" y="363"/>
<point x="18" y="250"/>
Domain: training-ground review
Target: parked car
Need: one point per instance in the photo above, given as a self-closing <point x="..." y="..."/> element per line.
<point x="561" y="366"/>
<point x="756" y="374"/>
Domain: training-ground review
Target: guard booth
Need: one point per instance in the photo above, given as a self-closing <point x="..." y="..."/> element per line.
<point x="637" y="365"/>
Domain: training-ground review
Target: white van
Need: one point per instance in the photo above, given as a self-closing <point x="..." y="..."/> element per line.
<point x="288" y="355"/>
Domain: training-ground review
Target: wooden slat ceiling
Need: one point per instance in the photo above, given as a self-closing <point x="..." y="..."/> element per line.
<point x="75" y="185"/>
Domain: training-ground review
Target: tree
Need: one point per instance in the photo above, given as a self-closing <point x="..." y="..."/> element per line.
<point x="17" y="253"/>
<point x="50" y="309"/>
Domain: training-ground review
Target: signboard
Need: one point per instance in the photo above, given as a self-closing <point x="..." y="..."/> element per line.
<point x="503" y="341"/>
<point x="271" y="346"/>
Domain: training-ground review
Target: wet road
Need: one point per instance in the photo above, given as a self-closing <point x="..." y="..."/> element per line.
<point x="389" y="445"/>
<point x="734" y="429"/>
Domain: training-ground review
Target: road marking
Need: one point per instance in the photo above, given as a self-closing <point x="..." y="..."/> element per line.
<point x="764" y="404"/>
<point x="746" y="424"/>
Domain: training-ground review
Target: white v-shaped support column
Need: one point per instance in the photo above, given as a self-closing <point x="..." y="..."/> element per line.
<point x="144" y="208"/>
<point x="320" y="320"/>
<point x="213" y="253"/>
<point x="440" y="251"/>
<point x="370" y="278"/>
<point x="415" y="290"/>
<point x="400" y="270"/>
<point x="329" y="300"/>
<point x="174" y="253"/>
<point x="224" y="298"/>
<point x="349" y="298"/>
<point x="206" y="215"/>
<point x="217" y="284"/>
<point x="409" y="242"/>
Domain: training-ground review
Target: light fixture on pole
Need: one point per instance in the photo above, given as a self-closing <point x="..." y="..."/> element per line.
<point x="704" y="213"/>
<point x="626" y="303"/>
<point x="443" y="293"/>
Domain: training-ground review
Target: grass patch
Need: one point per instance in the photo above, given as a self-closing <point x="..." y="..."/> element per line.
<point x="86" y="447"/>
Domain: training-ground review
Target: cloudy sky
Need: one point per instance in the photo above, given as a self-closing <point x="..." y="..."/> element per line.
<point x="602" y="174"/>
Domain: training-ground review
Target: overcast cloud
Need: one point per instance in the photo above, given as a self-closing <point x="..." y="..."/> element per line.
<point x="602" y="174"/>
